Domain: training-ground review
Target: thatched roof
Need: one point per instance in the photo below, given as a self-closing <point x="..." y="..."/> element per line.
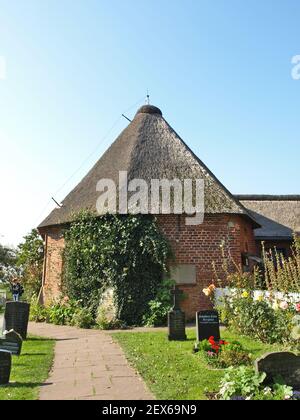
<point x="278" y="215"/>
<point x="147" y="149"/>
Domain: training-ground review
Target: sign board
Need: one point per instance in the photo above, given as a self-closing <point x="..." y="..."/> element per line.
<point x="208" y="325"/>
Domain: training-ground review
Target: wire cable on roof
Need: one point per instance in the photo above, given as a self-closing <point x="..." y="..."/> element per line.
<point x="88" y="157"/>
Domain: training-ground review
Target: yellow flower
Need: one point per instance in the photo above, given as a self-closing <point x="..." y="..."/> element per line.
<point x="245" y="295"/>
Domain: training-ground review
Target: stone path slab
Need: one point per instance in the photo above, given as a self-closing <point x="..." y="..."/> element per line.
<point x="88" y="365"/>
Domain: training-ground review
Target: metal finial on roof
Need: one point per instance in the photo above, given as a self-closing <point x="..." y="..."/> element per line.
<point x="148" y="98"/>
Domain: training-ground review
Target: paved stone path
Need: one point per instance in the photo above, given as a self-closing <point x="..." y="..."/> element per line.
<point x="88" y="365"/>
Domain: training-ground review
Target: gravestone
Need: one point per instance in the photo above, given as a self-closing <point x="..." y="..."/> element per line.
<point x="208" y="325"/>
<point x="280" y="364"/>
<point x="5" y="367"/>
<point x="12" y="342"/>
<point x="16" y="317"/>
<point x="176" y="318"/>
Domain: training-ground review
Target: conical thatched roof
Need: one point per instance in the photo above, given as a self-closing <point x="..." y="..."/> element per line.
<point x="147" y="149"/>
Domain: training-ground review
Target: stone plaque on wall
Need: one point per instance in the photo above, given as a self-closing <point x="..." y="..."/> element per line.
<point x="183" y="273"/>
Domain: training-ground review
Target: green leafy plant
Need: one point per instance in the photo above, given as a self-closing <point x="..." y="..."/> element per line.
<point x="160" y="306"/>
<point x="233" y="357"/>
<point x="222" y="354"/>
<point x="126" y="253"/>
<point x="256" y="319"/>
<point x="62" y="312"/>
<point x="82" y="318"/>
<point x="38" y="313"/>
<point x="242" y="382"/>
<point x="30" y="258"/>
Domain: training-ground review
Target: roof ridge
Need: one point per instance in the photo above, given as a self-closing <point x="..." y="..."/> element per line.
<point x="267" y="197"/>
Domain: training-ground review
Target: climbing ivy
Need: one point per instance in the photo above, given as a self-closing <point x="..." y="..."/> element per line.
<point x="128" y="253"/>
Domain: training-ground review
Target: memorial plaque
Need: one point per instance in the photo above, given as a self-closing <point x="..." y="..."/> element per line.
<point x="12" y="342"/>
<point x="208" y="325"/>
<point x="5" y="367"/>
<point x="280" y="364"/>
<point x="176" y="322"/>
<point x="16" y="317"/>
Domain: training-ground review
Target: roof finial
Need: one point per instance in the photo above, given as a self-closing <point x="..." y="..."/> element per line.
<point x="148" y="98"/>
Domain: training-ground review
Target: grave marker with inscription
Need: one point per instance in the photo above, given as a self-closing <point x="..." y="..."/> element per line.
<point x="280" y="364"/>
<point x="176" y="318"/>
<point x="16" y="317"/>
<point x="208" y="325"/>
<point x="5" y="367"/>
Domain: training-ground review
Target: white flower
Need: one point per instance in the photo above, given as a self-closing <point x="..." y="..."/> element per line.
<point x="267" y="391"/>
<point x="284" y="305"/>
<point x="259" y="297"/>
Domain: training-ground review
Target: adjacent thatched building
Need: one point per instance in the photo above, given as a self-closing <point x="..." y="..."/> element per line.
<point x="279" y="217"/>
<point x="150" y="149"/>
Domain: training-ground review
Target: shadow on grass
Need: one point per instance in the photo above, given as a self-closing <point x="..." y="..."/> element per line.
<point x="39" y="339"/>
<point x="53" y="339"/>
<point x="20" y="385"/>
<point x="33" y="354"/>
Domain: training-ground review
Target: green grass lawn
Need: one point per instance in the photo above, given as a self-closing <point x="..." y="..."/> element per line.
<point x="170" y="369"/>
<point x="29" y="370"/>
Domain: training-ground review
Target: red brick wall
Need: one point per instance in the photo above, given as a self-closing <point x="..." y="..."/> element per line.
<point x="200" y="246"/>
<point x="197" y="245"/>
<point x="54" y="243"/>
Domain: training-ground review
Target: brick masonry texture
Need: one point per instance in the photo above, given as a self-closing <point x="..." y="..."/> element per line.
<point x="197" y="245"/>
<point x="53" y="264"/>
<point x="201" y="246"/>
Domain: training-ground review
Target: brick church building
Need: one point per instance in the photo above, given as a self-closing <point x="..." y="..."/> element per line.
<point x="150" y="149"/>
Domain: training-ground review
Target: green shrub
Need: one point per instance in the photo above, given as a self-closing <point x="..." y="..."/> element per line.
<point x="104" y="322"/>
<point x="61" y="313"/>
<point x="233" y="357"/>
<point x="244" y="383"/>
<point x="127" y="253"/>
<point x="222" y="354"/>
<point x="257" y="319"/>
<point x="241" y="382"/>
<point x="38" y="313"/>
<point x="159" y="307"/>
<point x="83" y="318"/>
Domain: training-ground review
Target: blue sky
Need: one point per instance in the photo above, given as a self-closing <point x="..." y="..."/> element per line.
<point x="219" y="70"/>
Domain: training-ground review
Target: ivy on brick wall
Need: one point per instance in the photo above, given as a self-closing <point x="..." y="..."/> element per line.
<point x="128" y="253"/>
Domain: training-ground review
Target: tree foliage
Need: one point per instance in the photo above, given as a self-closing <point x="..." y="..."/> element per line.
<point x="8" y="261"/>
<point x="127" y="253"/>
<point x="30" y="257"/>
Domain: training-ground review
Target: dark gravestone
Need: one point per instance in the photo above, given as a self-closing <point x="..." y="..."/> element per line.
<point x="208" y="325"/>
<point x="176" y="318"/>
<point x="281" y="364"/>
<point x="16" y="317"/>
<point x="11" y="341"/>
<point x="5" y="367"/>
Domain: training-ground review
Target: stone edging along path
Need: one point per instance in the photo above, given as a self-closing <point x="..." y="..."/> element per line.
<point x="88" y="365"/>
